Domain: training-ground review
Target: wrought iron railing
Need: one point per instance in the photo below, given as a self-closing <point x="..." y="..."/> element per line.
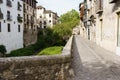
<point x="9" y="3"/>
<point x="112" y="1"/>
<point x="1" y="1"/>
<point x="1" y="15"/>
<point x="9" y="17"/>
<point x="19" y="18"/>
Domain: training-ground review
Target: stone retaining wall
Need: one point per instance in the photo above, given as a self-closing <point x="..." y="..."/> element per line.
<point x="55" y="67"/>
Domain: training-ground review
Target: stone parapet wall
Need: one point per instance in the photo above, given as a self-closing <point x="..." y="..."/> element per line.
<point x="54" y="67"/>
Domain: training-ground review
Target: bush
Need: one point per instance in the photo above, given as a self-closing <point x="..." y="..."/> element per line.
<point x="22" y="52"/>
<point x="46" y="38"/>
<point x="51" y="50"/>
<point x="2" y="49"/>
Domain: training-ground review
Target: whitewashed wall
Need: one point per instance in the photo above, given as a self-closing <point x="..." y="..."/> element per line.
<point x="13" y="39"/>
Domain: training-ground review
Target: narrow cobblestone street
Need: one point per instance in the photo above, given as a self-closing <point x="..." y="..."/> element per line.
<point x="91" y="62"/>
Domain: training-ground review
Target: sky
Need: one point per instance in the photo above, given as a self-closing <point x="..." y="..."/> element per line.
<point x="60" y="6"/>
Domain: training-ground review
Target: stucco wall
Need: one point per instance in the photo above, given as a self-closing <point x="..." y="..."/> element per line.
<point x="55" y="67"/>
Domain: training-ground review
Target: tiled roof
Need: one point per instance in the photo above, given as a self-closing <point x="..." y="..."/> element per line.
<point x="40" y="7"/>
<point x="48" y="11"/>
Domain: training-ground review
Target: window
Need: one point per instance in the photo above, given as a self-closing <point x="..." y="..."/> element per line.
<point x="24" y="18"/>
<point x="8" y="15"/>
<point x="19" y="6"/>
<point x="18" y="28"/>
<point x="8" y="12"/>
<point x="1" y="1"/>
<point x="49" y="21"/>
<point x="40" y="24"/>
<point x="101" y="27"/>
<point x="8" y="27"/>
<point x="44" y="26"/>
<point x="44" y="22"/>
<point x="34" y="28"/>
<point x="118" y="31"/>
<point x="9" y="3"/>
<point x="40" y="16"/>
<point x="50" y="15"/>
<point x="0" y="26"/>
<point x="1" y="14"/>
<point x="27" y="8"/>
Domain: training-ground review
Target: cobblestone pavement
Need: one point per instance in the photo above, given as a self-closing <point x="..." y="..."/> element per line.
<point x="91" y="62"/>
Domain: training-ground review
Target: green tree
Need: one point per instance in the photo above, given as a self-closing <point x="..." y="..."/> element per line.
<point x="2" y="49"/>
<point x="68" y="21"/>
<point x="72" y="15"/>
<point x="62" y="30"/>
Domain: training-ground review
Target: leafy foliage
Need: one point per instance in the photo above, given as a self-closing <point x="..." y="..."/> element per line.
<point x="49" y="38"/>
<point x="62" y="30"/>
<point x="68" y="21"/>
<point x="22" y="52"/>
<point x="2" y="49"/>
<point x="51" y="50"/>
<point x="72" y="15"/>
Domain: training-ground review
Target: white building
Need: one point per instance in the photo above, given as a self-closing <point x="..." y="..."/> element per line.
<point x="11" y="24"/>
<point x="46" y="18"/>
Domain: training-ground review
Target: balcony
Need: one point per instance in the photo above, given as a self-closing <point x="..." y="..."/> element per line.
<point x="112" y="1"/>
<point x="1" y="1"/>
<point x="9" y="17"/>
<point x="19" y="18"/>
<point x="85" y="6"/>
<point x="25" y="30"/>
<point x="32" y="21"/>
<point x="9" y="3"/>
<point x="99" y="11"/>
<point x="99" y="6"/>
<point x="1" y="15"/>
<point x="28" y="21"/>
<point x="19" y="6"/>
<point x="25" y="10"/>
<point x="92" y="18"/>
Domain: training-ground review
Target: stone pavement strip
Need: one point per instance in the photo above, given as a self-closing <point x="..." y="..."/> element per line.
<point x="91" y="62"/>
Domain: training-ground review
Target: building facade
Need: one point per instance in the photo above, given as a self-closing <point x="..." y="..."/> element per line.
<point x="30" y="25"/>
<point x="46" y="18"/>
<point x="103" y="22"/>
<point x="11" y="24"/>
<point x="83" y="22"/>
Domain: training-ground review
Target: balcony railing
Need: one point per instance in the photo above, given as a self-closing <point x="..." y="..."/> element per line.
<point x="1" y="1"/>
<point x="19" y="18"/>
<point x="28" y="21"/>
<point x="99" y="6"/>
<point x="32" y="20"/>
<point x="9" y="3"/>
<point x="19" y="6"/>
<point x="85" y="6"/>
<point x="112" y="1"/>
<point x="25" y="10"/>
<point x="9" y="17"/>
<point x="1" y="15"/>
